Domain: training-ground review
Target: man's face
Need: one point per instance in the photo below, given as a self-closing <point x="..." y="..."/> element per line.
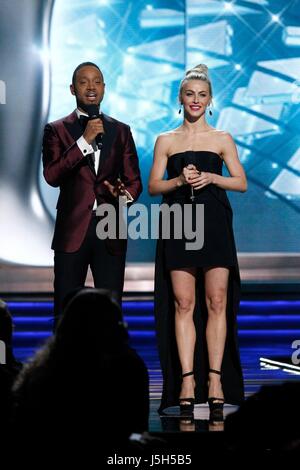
<point x="89" y="86"/>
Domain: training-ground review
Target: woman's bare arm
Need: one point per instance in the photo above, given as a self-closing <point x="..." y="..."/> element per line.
<point x="237" y="180"/>
<point x="157" y="185"/>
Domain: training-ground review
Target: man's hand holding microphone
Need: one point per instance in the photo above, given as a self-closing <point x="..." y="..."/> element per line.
<point x="93" y="128"/>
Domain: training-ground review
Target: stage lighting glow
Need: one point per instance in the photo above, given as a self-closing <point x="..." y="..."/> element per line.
<point x="145" y="106"/>
<point x="119" y="103"/>
<point x="149" y="7"/>
<point x="275" y="18"/>
<point x="228" y="6"/>
<point x="36" y="205"/>
<point x="89" y="54"/>
<point x="128" y="60"/>
<point x="103" y="2"/>
<point x="274" y="165"/>
<point x="238" y="67"/>
<point x="167" y="68"/>
<point x="44" y="55"/>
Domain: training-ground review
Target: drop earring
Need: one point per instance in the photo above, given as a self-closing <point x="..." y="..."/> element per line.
<point x="209" y="110"/>
<point x="179" y="111"/>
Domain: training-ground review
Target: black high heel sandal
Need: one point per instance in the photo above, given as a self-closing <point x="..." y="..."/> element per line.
<point x="216" y="404"/>
<point x="187" y="409"/>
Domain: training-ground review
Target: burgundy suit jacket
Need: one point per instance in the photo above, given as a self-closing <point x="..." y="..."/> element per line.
<point x="66" y="167"/>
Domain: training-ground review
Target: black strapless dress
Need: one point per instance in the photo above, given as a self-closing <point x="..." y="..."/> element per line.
<point x="218" y="250"/>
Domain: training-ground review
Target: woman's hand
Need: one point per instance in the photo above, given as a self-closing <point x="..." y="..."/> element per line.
<point x="188" y="173"/>
<point x="200" y="179"/>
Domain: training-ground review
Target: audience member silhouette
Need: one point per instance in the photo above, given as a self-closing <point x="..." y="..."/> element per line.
<point x="267" y="423"/>
<point x="86" y="386"/>
<point x="9" y="366"/>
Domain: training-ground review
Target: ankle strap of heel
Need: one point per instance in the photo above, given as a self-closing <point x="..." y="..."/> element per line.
<point x="214" y="371"/>
<point x="187" y="373"/>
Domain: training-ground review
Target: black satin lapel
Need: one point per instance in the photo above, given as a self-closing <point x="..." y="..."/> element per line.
<point x="74" y="129"/>
<point x="107" y="139"/>
<point x="90" y="160"/>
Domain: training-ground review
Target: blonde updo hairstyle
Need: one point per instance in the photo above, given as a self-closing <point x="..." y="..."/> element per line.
<point x="200" y="72"/>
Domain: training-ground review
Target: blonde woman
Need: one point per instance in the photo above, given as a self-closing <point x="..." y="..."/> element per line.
<point x="197" y="291"/>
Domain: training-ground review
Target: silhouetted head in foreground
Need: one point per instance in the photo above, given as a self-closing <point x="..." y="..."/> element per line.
<point x="86" y="377"/>
<point x="267" y="422"/>
<point x="91" y="318"/>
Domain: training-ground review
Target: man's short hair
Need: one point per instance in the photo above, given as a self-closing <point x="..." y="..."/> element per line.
<point x="83" y="64"/>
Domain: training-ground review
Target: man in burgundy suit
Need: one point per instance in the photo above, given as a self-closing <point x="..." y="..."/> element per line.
<point x="87" y="176"/>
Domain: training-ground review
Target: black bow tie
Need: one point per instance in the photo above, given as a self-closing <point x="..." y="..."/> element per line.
<point x="83" y="120"/>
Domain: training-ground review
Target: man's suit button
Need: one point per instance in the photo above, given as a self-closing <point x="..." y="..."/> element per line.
<point x="90" y="206"/>
<point x="84" y="150"/>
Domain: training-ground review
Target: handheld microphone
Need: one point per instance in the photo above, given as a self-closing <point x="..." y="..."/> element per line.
<point x="93" y="112"/>
<point x="188" y="159"/>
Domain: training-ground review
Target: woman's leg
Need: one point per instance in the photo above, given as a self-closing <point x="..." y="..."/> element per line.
<point x="183" y="284"/>
<point x="216" y="282"/>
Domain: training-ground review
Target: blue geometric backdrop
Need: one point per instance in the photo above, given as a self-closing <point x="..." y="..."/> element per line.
<point x="252" y="49"/>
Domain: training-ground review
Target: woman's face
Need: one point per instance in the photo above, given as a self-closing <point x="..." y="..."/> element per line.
<point x="195" y="97"/>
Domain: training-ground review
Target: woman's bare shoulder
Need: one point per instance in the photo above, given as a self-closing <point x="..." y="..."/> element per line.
<point x="224" y="135"/>
<point x="169" y="135"/>
<point x="166" y="140"/>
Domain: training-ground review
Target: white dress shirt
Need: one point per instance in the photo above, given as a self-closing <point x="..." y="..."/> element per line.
<point x="87" y="149"/>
